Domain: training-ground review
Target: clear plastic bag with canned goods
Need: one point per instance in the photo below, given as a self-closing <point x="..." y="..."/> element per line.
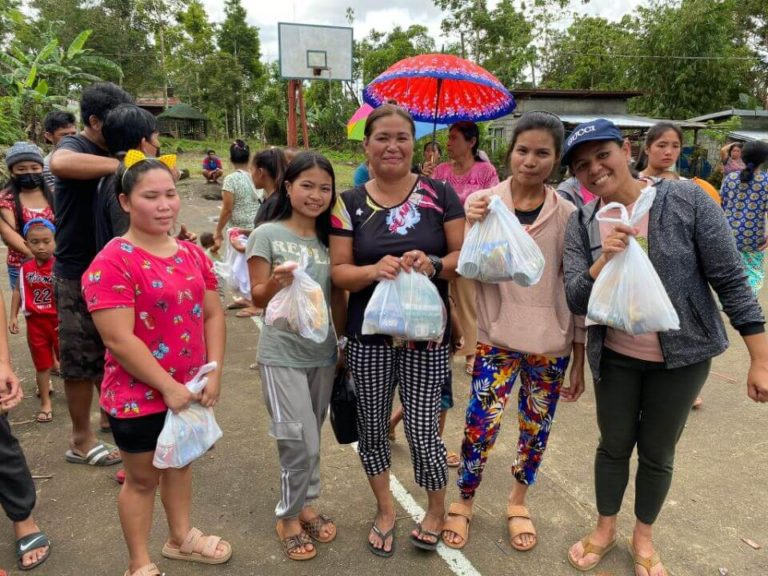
<point x="301" y="307"/>
<point x="498" y="249"/>
<point x="408" y="307"/>
<point x="190" y="433"/>
<point x="628" y="294"/>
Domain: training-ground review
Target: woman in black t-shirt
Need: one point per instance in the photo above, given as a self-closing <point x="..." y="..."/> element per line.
<point x="398" y="220"/>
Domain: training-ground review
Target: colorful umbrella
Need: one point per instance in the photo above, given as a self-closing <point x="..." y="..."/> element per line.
<point x="356" y="124"/>
<point x="441" y="88"/>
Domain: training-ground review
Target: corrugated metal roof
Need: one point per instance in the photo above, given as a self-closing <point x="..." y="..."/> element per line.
<point x="749" y="135"/>
<point x="625" y="120"/>
<point x="741" y="112"/>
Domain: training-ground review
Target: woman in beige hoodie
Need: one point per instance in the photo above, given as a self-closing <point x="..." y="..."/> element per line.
<point x="527" y="331"/>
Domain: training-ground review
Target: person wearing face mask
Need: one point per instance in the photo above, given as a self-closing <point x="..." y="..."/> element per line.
<point x="24" y="197"/>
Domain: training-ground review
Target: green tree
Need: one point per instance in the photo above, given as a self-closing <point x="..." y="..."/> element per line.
<point x="37" y="80"/>
<point x="378" y="51"/>
<point x="715" y="67"/>
<point x="238" y="38"/>
<point x="224" y="82"/>
<point x="121" y="33"/>
<point x="592" y="54"/>
<point x="192" y="42"/>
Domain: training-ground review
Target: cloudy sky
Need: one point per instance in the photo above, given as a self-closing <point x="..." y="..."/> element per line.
<point x="379" y="14"/>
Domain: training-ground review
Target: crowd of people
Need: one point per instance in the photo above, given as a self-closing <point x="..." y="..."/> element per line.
<point x="135" y="309"/>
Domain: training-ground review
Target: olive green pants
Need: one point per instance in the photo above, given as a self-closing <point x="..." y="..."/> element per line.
<point x="643" y="404"/>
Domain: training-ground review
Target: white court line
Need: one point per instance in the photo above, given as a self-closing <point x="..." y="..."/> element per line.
<point x="457" y="562"/>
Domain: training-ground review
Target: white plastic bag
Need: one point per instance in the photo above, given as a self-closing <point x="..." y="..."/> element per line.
<point x="189" y="434"/>
<point x="628" y="294"/>
<point x="300" y="308"/>
<point x="407" y="307"/>
<point x="498" y="249"/>
<point x="235" y="270"/>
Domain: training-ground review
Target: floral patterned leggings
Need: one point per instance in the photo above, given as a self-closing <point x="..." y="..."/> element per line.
<point x="493" y="377"/>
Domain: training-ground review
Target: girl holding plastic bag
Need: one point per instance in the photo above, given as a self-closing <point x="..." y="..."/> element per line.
<point x="645" y="383"/>
<point x="297" y="350"/>
<point x="396" y="222"/>
<point x="153" y="299"/>
<point x="522" y="331"/>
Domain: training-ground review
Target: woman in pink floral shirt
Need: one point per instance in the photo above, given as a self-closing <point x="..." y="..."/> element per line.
<point x="153" y="299"/>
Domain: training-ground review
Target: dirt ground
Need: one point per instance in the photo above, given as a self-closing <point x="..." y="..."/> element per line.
<point x="718" y="497"/>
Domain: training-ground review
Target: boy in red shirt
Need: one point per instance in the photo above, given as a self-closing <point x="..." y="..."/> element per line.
<point x="34" y="296"/>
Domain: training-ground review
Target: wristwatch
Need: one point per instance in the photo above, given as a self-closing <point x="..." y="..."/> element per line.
<point x="437" y="265"/>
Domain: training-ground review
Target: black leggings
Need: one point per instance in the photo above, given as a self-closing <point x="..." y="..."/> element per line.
<point x="645" y="404"/>
<point x="17" y="490"/>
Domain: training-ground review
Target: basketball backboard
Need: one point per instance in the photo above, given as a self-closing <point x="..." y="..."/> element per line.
<point x="310" y="52"/>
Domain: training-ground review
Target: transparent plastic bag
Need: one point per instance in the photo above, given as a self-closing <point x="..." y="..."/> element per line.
<point x="189" y="434"/>
<point x="498" y="249"/>
<point x="300" y="308"/>
<point x="407" y="307"/>
<point x="628" y="294"/>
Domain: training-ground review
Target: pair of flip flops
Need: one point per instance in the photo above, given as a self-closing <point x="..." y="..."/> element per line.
<point x="96" y="456"/>
<point x="30" y="542"/>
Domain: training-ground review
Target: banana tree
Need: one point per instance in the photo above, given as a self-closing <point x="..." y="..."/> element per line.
<point x="39" y="82"/>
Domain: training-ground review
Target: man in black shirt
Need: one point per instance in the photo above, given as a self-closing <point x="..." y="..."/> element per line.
<point x="78" y="164"/>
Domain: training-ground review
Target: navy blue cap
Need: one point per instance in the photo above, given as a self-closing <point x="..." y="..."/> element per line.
<point x="592" y="131"/>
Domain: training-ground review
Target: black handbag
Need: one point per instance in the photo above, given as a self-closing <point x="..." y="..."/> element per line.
<point x="344" y="407"/>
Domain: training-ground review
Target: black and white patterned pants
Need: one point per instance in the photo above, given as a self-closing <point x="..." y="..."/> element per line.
<point x="420" y="374"/>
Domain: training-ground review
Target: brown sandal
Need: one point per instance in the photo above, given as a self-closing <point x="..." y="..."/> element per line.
<point x="645" y="562"/>
<point x="199" y="548"/>
<point x="590" y="548"/>
<point x="44" y="417"/>
<point x="291" y="544"/>
<point x="148" y="570"/>
<point x="452" y="460"/>
<point x="526" y="528"/>
<point x="315" y="527"/>
<point x="459" y="518"/>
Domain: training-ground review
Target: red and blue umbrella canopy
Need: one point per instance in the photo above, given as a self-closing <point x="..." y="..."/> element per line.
<point x="441" y="88"/>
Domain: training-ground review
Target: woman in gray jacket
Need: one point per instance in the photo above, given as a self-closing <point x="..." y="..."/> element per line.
<point x="645" y="384"/>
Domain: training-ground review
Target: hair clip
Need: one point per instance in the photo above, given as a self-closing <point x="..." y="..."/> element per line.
<point x="133" y="157"/>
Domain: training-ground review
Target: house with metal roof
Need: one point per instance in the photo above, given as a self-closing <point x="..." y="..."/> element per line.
<point x="754" y="123"/>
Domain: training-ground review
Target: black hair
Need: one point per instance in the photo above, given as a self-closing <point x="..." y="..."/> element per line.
<point x="18" y="212"/>
<point x="433" y="144"/>
<point x="206" y="239"/>
<point x="210" y="151"/>
<point x="468" y="131"/>
<point x="98" y="99"/>
<point x="127" y="178"/>
<point x="239" y="153"/>
<point x="753" y="154"/>
<point x="654" y="133"/>
<point x="56" y="119"/>
<point x="272" y="160"/>
<point x="537" y="120"/>
<point x="125" y="126"/>
<point x="282" y="209"/>
<point x="387" y="110"/>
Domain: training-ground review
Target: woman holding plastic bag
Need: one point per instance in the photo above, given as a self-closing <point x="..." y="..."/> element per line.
<point x="524" y="331"/>
<point x="153" y="299"/>
<point x="397" y="223"/>
<point x="645" y="383"/>
<point x="290" y="272"/>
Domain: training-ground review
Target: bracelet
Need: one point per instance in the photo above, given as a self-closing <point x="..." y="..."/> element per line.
<point x="342" y="342"/>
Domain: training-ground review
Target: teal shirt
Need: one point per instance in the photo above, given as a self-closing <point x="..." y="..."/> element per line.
<point x="277" y="244"/>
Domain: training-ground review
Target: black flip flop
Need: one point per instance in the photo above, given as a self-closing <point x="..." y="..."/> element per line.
<point x="32" y="542"/>
<point x="383" y="535"/>
<point x="422" y="544"/>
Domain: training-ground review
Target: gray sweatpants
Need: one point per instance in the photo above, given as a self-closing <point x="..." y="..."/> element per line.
<point x="297" y="399"/>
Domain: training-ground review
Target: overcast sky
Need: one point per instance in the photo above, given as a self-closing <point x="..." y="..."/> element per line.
<point x="379" y="14"/>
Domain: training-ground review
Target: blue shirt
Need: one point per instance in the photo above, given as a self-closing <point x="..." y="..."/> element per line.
<point x="362" y="175"/>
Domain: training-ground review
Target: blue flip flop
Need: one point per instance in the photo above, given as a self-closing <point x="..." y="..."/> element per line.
<point x="32" y="542"/>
